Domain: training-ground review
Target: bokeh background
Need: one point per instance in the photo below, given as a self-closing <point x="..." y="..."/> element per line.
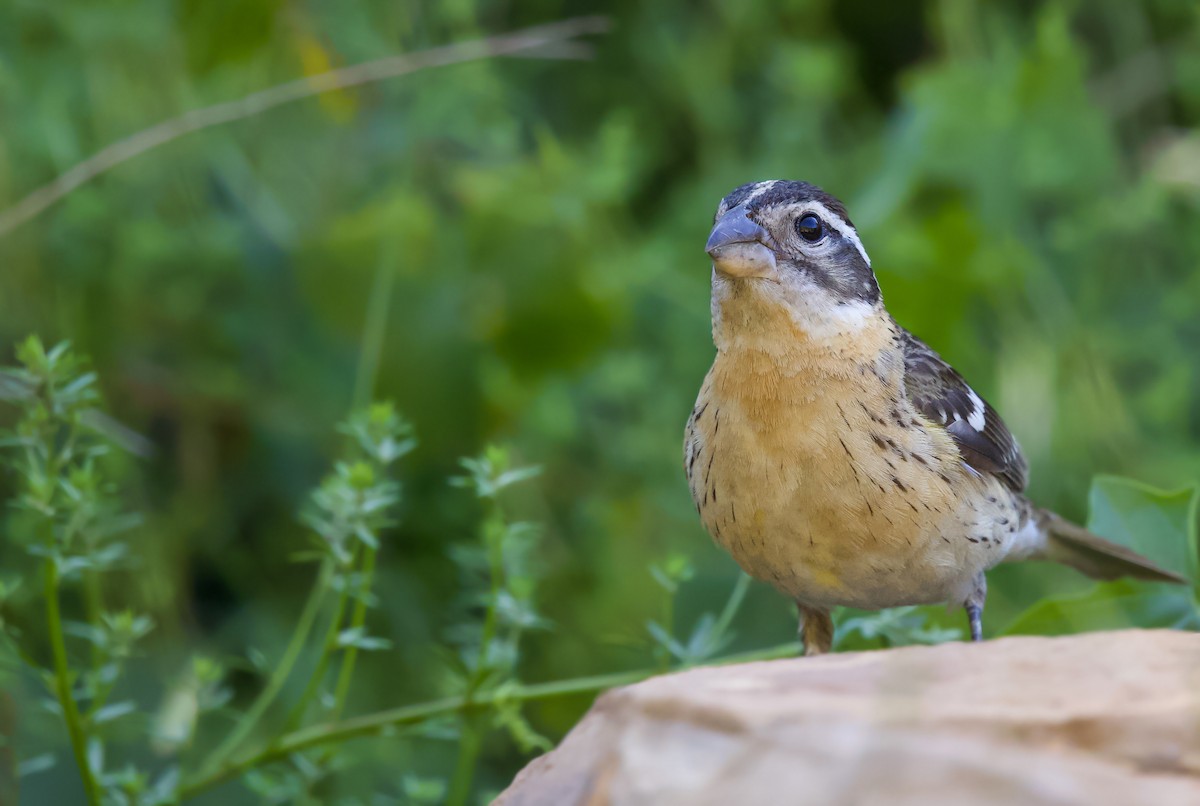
<point x="1026" y="177"/>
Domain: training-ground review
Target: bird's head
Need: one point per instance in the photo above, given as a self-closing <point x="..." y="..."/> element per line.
<point x="790" y="244"/>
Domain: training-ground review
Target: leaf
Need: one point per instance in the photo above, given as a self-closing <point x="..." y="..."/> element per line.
<point x="898" y="626"/>
<point x="163" y="789"/>
<point x="357" y="637"/>
<point x="1158" y="524"/>
<point x="665" y="640"/>
<point x="1107" y="606"/>
<point x="15" y="385"/>
<point x="115" y="711"/>
<point x="516" y="476"/>
<point x="118" y="433"/>
<point x="79" y="387"/>
<point x="32" y="766"/>
<point x="705" y="642"/>
<point x="95" y="755"/>
<point x="367" y="537"/>
<point x="423" y="790"/>
<point x="87" y="632"/>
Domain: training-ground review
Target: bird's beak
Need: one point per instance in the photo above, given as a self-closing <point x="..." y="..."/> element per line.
<point x="739" y="247"/>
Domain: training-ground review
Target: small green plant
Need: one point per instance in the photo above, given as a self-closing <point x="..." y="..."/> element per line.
<point x="897" y="626"/>
<point x="711" y="633"/>
<point x="69" y="517"/>
<point x="347" y="513"/>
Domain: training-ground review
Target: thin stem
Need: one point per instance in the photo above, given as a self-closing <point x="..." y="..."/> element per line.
<point x="328" y="645"/>
<point x="247" y="723"/>
<point x="469" y="745"/>
<point x="375" y="328"/>
<point x="62" y="683"/>
<point x="357" y="620"/>
<point x="470" y="730"/>
<point x="732" y="606"/>
<point x="664" y="652"/>
<point x="373" y="724"/>
<point x="528" y="41"/>
<point x="494" y="539"/>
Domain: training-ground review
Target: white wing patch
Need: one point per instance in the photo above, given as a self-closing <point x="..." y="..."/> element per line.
<point x="976" y="418"/>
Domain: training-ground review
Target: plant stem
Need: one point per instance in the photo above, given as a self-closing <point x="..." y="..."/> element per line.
<point x="412" y="714"/>
<point x="357" y="620"/>
<point x="732" y="606"/>
<point x="527" y="40"/>
<point x="469" y="745"/>
<point x="62" y="683"/>
<point x="246" y="724"/>
<point x="374" y="328"/>
<point x="328" y="645"/>
<point x="471" y="731"/>
<point x="493" y="537"/>
<point x="664" y="653"/>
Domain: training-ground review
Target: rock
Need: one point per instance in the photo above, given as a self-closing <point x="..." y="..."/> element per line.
<point x="1103" y="718"/>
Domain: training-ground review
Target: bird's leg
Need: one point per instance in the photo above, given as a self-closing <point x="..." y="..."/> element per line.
<point x="974" y="606"/>
<point x="816" y="629"/>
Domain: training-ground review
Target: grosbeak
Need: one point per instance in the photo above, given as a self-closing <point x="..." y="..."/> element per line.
<point x="833" y="453"/>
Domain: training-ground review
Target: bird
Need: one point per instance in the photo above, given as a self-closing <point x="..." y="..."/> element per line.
<point x="837" y="456"/>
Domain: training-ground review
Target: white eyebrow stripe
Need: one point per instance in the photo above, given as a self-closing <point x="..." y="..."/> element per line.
<point x="760" y="189"/>
<point x="834" y="222"/>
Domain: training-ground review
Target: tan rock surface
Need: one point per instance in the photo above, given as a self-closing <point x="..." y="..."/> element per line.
<point x="1104" y="718"/>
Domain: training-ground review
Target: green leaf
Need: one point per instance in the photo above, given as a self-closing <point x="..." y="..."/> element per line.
<point x="115" y="711"/>
<point x="32" y="766"/>
<point x="423" y="790"/>
<point x="357" y="637"/>
<point x="15" y="386"/>
<point x="1107" y="606"/>
<point x="1159" y="524"/>
<point x="664" y="639"/>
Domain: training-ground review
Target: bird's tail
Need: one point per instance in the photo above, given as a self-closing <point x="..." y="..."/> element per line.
<point x="1093" y="555"/>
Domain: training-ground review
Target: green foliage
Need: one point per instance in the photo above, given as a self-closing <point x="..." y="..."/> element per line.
<point x="896" y="627"/>
<point x="511" y="250"/>
<point x="72" y="512"/>
<point x="1161" y="525"/>
<point x="68" y="518"/>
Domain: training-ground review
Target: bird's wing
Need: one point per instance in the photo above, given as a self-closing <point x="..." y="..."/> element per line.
<point x="937" y="391"/>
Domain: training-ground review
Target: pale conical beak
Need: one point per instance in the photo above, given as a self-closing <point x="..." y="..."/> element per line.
<point x="739" y="247"/>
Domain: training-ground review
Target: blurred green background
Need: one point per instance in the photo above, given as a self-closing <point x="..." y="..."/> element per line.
<point x="1026" y="177"/>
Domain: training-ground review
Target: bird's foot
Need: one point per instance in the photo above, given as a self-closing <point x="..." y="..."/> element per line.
<point x="816" y="630"/>
<point x="975" y="615"/>
<point x="974" y="607"/>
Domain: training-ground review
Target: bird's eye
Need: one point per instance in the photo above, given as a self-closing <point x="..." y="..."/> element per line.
<point x="810" y="228"/>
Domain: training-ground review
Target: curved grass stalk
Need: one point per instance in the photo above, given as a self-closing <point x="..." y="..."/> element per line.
<point x="295" y="646"/>
<point x="62" y="683"/>
<point x="377" y="723"/>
